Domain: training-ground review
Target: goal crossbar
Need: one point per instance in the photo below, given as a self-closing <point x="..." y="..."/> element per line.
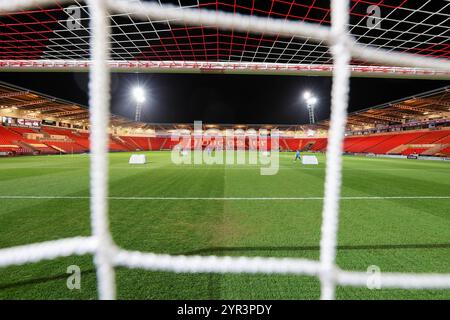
<point x="223" y="67"/>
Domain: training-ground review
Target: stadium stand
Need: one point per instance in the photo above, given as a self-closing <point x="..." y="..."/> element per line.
<point x="417" y="124"/>
<point x="444" y="140"/>
<point x="384" y="146"/>
<point x="292" y="144"/>
<point x="445" y="151"/>
<point x="312" y="144"/>
<point x="157" y="143"/>
<point x="413" y="151"/>
<point x="43" y="148"/>
<point x="22" y="131"/>
<point x="319" y="144"/>
<point x="82" y="138"/>
<point x="65" y="143"/>
<point x="23" y="145"/>
<point x="115" y="145"/>
<point x="431" y="137"/>
<point x="131" y="143"/>
<point x="364" y="143"/>
<point x="7" y="141"/>
<point x="66" y="147"/>
<point x="124" y="144"/>
<point x="169" y="144"/>
<point x="143" y="143"/>
<point x="57" y="131"/>
<point x="57" y="140"/>
<point x="6" y="136"/>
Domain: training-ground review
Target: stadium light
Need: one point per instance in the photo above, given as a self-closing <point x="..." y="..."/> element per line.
<point x="139" y="96"/>
<point x="310" y="103"/>
<point x="307" y="95"/>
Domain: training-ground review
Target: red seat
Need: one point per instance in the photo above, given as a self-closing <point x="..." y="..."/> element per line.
<point x="413" y="151"/>
<point x="431" y="137"/>
<point x="445" y="151"/>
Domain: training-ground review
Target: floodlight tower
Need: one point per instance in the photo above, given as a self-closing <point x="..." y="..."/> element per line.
<point x="139" y="97"/>
<point x="310" y="103"/>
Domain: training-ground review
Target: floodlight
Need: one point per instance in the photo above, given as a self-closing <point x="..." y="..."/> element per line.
<point x="312" y="101"/>
<point x="307" y="95"/>
<point x="138" y="94"/>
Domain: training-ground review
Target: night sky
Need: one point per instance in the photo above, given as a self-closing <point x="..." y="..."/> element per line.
<point x="183" y="98"/>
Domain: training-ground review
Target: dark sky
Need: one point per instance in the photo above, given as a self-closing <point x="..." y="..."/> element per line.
<point x="249" y="99"/>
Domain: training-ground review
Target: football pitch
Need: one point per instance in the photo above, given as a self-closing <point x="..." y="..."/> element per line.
<point x="395" y="214"/>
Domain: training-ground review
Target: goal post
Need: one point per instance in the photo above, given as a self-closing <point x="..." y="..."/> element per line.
<point x="343" y="48"/>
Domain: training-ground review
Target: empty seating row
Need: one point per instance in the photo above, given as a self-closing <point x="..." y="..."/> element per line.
<point x="431" y="137"/>
<point x="446" y="151"/>
<point x="13" y="139"/>
<point x="445" y="139"/>
<point x="361" y="144"/>
<point x="394" y="140"/>
<point x="292" y="143"/>
<point x="413" y="151"/>
<point x="116" y="146"/>
<point x="66" y="147"/>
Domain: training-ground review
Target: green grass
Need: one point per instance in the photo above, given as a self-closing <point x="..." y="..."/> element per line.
<point x="402" y="235"/>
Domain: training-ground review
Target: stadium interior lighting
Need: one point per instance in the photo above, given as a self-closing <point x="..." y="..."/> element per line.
<point x="310" y="102"/>
<point x="309" y="98"/>
<point x="307" y="95"/>
<point x="138" y="94"/>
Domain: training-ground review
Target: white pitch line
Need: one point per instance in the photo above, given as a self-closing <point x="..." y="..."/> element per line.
<point x="227" y="198"/>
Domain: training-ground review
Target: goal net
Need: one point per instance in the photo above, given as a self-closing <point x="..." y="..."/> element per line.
<point x="342" y="38"/>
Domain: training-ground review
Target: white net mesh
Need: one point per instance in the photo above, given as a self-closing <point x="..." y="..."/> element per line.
<point x="101" y="245"/>
<point x="57" y="35"/>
